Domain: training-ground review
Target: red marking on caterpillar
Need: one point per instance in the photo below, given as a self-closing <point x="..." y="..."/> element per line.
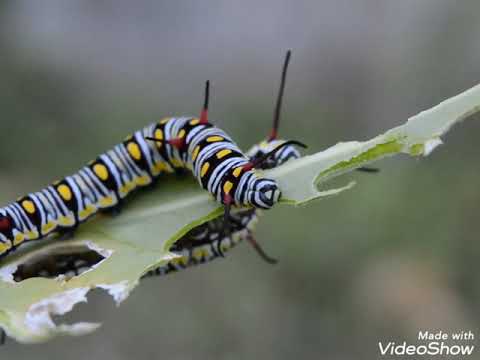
<point x="178" y="143"/>
<point x="5" y="224"/>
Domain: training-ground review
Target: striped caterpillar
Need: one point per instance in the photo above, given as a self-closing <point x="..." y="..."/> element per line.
<point x="175" y="144"/>
<point x="171" y="136"/>
<point x="169" y="146"/>
<point x="200" y="245"/>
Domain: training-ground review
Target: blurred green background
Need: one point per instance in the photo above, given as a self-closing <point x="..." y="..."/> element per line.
<point x="395" y="255"/>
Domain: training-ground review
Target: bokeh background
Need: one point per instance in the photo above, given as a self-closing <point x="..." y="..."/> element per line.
<point x="395" y="255"/>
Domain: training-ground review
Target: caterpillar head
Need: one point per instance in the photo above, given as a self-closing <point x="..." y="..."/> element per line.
<point x="265" y="193"/>
<point x="286" y="153"/>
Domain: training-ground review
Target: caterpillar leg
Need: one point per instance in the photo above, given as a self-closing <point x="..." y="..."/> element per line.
<point x="227" y="230"/>
<point x="3" y="337"/>
<point x="227" y="219"/>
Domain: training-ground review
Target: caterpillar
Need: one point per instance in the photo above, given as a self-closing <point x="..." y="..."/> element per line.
<point x="168" y="146"/>
<point x="171" y="145"/>
<point x="200" y="245"/>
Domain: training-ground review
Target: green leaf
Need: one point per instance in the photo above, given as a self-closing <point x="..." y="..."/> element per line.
<point x="138" y="240"/>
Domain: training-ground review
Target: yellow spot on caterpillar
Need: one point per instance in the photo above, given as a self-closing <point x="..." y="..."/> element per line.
<point x="107" y="201"/>
<point x="129" y="186"/>
<point x="179" y="261"/>
<point x="223" y="153"/>
<point x="85" y="213"/>
<point x="101" y="171"/>
<point x="123" y="190"/>
<point x="160" y="167"/>
<point x="31" y="235"/>
<point x="214" y="138"/>
<point x="237" y="171"/>
<point x="164" y="120"/>
<point x="18" y="239"/>
<point x="204" y="169"/>
<point x="176" y="163"/>
<point x="158" y="135"/>
<point x="181" y="133"/>
<point x="4" y="247"/>
<point x="194" y="122"/>
<point x="197" y="254"/>
<point x="183" y="261"/>
<point x="224" y="246"/>
<point x="29" y="206"/>
<point x="134" y="150"/>
<point x="264" y="145"/>
<point x="66" y="221"/>
<point x="142" y="180"/>
<point x="48" y="227"/>
<point x="195" y="152"/>
<point x="65" y="192"/>
<point x="227" y="187"/>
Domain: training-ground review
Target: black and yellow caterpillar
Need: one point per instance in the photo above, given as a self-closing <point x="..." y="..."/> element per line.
<point x="168" y="146"/>
<point x="200" y="245"/>
<point x="217" y="163"/>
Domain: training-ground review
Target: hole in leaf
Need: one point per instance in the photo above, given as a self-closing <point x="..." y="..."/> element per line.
<point x="92" y="310"/>
<point x="67" y="261"/>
